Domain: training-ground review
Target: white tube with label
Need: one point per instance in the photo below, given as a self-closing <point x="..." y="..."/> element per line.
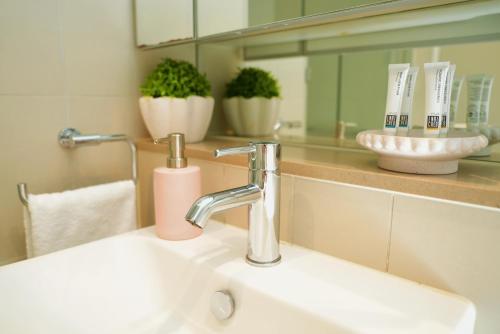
<point x="395" y="91"/>
<point x="484" y="111"/>
<point x="474" y="93"/>
<point x="404" y="124"/>
<point x="435" y="79"/>
<point x="445" y="114"/>
<point x="455" y="97"/>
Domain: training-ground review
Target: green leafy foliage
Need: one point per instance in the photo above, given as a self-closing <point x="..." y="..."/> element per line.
<point x="175" y="78"/>
<point x="252" y="81"/>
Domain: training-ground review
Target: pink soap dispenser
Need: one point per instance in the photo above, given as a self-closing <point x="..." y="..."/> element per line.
<point x="176" y="187"/>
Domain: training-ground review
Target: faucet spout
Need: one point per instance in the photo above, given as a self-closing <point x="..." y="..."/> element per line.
<point x="209" y="204"/>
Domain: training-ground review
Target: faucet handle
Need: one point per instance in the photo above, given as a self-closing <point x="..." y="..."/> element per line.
<point x="222" y="152"/>
<point x="262" y="155"/>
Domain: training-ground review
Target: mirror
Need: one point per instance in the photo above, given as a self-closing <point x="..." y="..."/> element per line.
<point x="253" y="13"/>
<point x="334" y="82"/>
<point x="154" y="20"/>
<point x="332" y="96"/>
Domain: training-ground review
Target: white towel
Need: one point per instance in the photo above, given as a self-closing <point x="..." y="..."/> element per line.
<point x="61" y="220"/>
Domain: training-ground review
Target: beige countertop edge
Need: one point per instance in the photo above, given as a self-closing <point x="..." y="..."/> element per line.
<point x="475" y="183"/>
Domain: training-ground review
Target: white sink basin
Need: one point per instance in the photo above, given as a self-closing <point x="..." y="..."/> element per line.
<point x="137" y="283"/>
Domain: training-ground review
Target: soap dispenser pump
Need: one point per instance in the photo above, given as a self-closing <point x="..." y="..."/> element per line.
<point x="176" y="187"/>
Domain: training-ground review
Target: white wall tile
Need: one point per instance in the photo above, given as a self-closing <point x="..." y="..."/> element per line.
<point x="286" y="207"/>
<point x="345" y="221"/>
<point x="98" y="38"/>
<point x="31" y="154"/>
<point x="30" y="48"/>
<point x="450" y="246"/>
<point x="212" y="176"/>
<point x="147" y="162"/>
<point x="107" y="114"/>
<point x="236" y="177"/>
<point x="106" y="162"/>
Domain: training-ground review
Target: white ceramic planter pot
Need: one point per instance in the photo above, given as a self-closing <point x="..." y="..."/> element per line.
<point x="190" y="116"/>
<point x="252" y="117"/>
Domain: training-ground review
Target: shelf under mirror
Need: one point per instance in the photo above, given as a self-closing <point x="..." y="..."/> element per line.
<point x="475" y="182"/>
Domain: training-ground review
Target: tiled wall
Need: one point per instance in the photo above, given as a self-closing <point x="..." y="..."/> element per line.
<point x="65" y="63"/>
<point x="449" y="245"/>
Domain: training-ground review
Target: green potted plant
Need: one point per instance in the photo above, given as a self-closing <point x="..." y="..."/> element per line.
<point x="176" y="98"/>
<point x="252" y="101"/>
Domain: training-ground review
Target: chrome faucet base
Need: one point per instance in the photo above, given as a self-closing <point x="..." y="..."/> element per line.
<point x="263" y="264"/>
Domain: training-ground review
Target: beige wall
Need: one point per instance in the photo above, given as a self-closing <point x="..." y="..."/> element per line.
<point x="448" y="245"/>
<point x="65" y="63"/>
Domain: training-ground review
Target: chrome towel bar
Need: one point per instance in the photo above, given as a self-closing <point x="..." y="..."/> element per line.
<point x="71" y="138"/>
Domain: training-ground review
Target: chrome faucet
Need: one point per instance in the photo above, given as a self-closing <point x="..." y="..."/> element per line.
<point x="262" y="195"/>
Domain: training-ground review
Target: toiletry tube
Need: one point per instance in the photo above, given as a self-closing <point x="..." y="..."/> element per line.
<point x="395" y="92"/>
<point x="406" y="107"/>
<point x="484" y="111"/>
<point x="474" y="93"/>
<point x="455" y="97"/>
<point x="435" y="79"/>
<point x="445" y="114"/>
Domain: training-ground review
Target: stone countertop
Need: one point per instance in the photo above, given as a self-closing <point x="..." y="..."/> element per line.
<point x="476" y="182"/>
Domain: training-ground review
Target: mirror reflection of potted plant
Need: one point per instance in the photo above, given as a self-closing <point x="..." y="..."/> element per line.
<point x="176" y="98"/>
<point x="252" y="101"/>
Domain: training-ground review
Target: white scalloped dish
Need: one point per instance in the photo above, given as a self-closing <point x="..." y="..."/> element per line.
<point x="493" y="136"/>
<point x="421" y="155"/>
<point x="492" y="133"/>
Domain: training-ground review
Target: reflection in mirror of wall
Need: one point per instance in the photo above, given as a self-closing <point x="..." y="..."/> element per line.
<point x="336" y="95"/>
